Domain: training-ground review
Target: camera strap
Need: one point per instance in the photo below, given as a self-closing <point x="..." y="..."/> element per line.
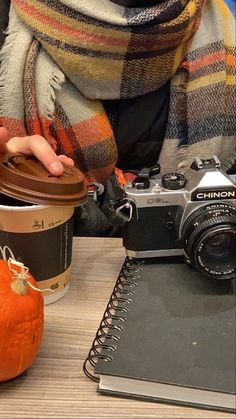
<point x="119" y="212"/>
<point x="117" y="209"/>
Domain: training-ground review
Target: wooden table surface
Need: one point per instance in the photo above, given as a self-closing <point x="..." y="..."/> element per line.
<point x="55" y="386"/>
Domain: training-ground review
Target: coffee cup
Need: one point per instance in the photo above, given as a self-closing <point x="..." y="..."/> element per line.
<point x="36" y="220"/>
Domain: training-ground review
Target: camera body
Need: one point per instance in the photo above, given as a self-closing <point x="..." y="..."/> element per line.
<point x="192" y="215"/>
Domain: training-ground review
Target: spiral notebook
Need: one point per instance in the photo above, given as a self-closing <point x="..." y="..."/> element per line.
<point x="167" y="335"/>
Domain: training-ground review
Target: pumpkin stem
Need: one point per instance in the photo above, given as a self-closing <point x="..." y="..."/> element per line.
<point x="21" y="282"/>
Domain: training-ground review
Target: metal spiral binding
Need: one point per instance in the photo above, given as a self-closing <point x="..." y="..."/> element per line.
<point x="114" y="317"/>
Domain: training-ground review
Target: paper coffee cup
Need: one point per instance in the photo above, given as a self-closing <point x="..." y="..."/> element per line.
<point x="41" y="238"/>
<point x="36" y="219"/>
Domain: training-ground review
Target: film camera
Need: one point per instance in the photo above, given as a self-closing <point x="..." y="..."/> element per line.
<point x="192" y="215"/>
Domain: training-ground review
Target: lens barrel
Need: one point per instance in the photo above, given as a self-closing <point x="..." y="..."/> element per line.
<point x="209" y="235"/>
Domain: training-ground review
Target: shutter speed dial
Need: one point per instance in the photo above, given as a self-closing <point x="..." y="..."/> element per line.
<point x="173" y="181"/>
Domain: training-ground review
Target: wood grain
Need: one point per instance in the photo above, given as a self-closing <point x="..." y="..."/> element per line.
<point x="55" y="386"/>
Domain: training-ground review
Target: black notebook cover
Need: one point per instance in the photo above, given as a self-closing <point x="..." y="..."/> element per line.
<point x="171" y="334"/>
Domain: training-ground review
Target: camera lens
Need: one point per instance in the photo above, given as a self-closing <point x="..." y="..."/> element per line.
<point x="215" y="252"/>
<point x="210" y="240"/>
<point x="219" y="245"/>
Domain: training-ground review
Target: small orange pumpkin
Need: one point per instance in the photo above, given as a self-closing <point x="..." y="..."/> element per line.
<point x="21" y="319"/>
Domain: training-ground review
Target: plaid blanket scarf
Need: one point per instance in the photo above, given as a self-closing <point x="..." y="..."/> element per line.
<point x="61" y="58"/>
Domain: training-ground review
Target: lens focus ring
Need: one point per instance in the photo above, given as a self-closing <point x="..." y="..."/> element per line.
<point x="209" y="211"/>
<point x="201" y="228"/>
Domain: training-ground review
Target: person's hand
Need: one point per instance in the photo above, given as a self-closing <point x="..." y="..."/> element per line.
<point x="35" y="145"/>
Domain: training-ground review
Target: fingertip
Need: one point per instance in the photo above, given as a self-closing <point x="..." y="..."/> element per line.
<point x="66" y="160"/>
<point x="70" y="161"/>
<point x="56" y="168"/>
